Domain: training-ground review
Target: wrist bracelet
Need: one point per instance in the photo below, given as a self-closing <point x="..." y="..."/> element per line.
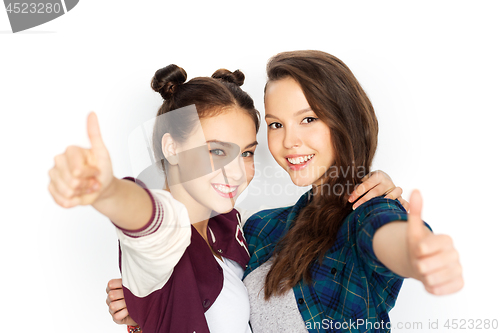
<point x="133" y="329"/>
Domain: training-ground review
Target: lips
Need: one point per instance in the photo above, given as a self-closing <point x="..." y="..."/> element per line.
<point x="226" y="191"/>
<point x="298" y="162"/>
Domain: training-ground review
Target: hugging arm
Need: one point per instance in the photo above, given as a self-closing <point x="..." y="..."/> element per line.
<point x="116" y="303"/>
<point x="375" y="184"/>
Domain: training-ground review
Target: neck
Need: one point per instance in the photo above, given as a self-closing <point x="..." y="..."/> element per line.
<point x="198" y="214"/>
<point x="202" y="227"/>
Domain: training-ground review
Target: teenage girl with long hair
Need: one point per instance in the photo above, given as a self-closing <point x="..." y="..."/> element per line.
<point x="318" y="265"/>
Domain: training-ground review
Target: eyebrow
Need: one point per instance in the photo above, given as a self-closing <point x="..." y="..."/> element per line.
<point x="255" y="143"/>
<point x="295" y="114"/>
<point x="225" y="144"/>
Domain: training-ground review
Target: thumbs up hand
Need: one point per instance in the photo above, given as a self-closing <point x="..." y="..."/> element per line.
<point x="81" y="175"/>
<point x="434" y="259"/>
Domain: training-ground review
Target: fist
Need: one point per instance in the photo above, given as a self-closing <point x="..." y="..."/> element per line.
<point x="434" y="259"/>
<point x="80" y="175"/>
<point x="116" y="303"/>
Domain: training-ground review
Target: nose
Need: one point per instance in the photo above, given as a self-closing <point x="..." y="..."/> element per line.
<point x="235" y="170"/>
<point x="291" y="139"/>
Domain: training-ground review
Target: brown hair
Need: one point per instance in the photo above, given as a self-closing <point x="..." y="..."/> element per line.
<point x="211" y="96"/>
<point x="338" y="100"/>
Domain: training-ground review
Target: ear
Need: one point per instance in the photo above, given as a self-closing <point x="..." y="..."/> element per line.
<point x="169" y="149"/>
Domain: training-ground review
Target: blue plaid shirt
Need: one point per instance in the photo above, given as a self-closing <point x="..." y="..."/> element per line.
<point x="352" y="291"/>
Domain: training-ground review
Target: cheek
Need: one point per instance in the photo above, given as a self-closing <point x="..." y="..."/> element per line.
<point x="321" y="138"/>
<point x="274" y="143"/>
<point x="250" y="171"/>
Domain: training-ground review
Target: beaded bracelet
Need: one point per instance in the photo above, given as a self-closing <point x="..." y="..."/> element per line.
<point x="133" y="329"/>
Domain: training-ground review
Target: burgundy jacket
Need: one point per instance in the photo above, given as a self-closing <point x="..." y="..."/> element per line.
<point x="195" y="283"/>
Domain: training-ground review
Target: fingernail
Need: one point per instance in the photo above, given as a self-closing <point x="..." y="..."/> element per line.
<point x="350" y="199"/>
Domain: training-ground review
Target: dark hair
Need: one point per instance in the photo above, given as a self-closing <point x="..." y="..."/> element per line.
<point x="338" y="100"/>
<point x="211" y="96"/>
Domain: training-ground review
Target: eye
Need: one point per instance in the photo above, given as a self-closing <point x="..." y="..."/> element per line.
<point x="308" y="120"/>
<point x="247" y="154"/>
<point x="218" y="152"/>
<point x="275" y="125"/>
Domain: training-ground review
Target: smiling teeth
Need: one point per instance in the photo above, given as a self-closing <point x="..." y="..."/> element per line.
<point x="300" y="160"/>
<point x="225" y="189"/>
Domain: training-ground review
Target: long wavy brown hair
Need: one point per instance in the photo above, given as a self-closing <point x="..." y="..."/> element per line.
<point x="338" y="100"/>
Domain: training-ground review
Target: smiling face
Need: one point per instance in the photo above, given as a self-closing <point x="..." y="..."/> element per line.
<point x="298" y="140"/>
<point x="231" y="141"/>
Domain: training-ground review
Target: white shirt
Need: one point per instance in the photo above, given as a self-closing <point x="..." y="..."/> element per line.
<point x="230" y="312"/>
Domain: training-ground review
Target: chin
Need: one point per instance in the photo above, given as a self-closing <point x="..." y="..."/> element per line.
<point x="301" y="182"/>
<point x="223" y="208"/>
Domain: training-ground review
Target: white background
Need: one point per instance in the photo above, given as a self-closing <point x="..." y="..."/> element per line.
<point x="431" y="69"/>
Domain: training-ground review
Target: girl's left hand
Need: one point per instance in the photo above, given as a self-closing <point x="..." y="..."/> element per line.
<point x="433" y="259"/>
<point x="375" y="184"/>
<point x="116" y="303"/>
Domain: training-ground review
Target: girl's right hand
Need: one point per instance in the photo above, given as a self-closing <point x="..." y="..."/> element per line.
<point x="80" y="176"/>
<point x="116" y="303"/>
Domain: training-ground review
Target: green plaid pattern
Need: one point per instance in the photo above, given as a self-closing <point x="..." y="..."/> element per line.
<point x="352" y="291"/>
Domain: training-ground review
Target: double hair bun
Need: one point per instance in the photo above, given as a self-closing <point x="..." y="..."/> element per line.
<point x="167" y="79"/>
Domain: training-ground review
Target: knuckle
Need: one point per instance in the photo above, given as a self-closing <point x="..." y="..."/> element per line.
<point x="113" y="307"/>
<point x="420" y="267"/>
<point x="430" y="290"/>
<point x="110" y="284"/>
<point x="75" y="182"/>
<point x="427" y="280"/>
<point x="113" y="295"/>
<point x="72" y="149"/>
<point x="420" y="249"/>
<point x="70" y="193"/>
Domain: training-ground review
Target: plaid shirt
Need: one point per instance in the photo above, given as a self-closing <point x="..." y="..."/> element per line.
<point x="352" y="291"/>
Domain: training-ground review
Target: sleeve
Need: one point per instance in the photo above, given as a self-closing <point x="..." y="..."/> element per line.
<point x="371" y="216"/>
<point x="149" y="255"/>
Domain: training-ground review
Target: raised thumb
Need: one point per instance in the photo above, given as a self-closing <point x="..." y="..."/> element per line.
<point x="416" y="227"/>
<point x="97" y="145"/>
